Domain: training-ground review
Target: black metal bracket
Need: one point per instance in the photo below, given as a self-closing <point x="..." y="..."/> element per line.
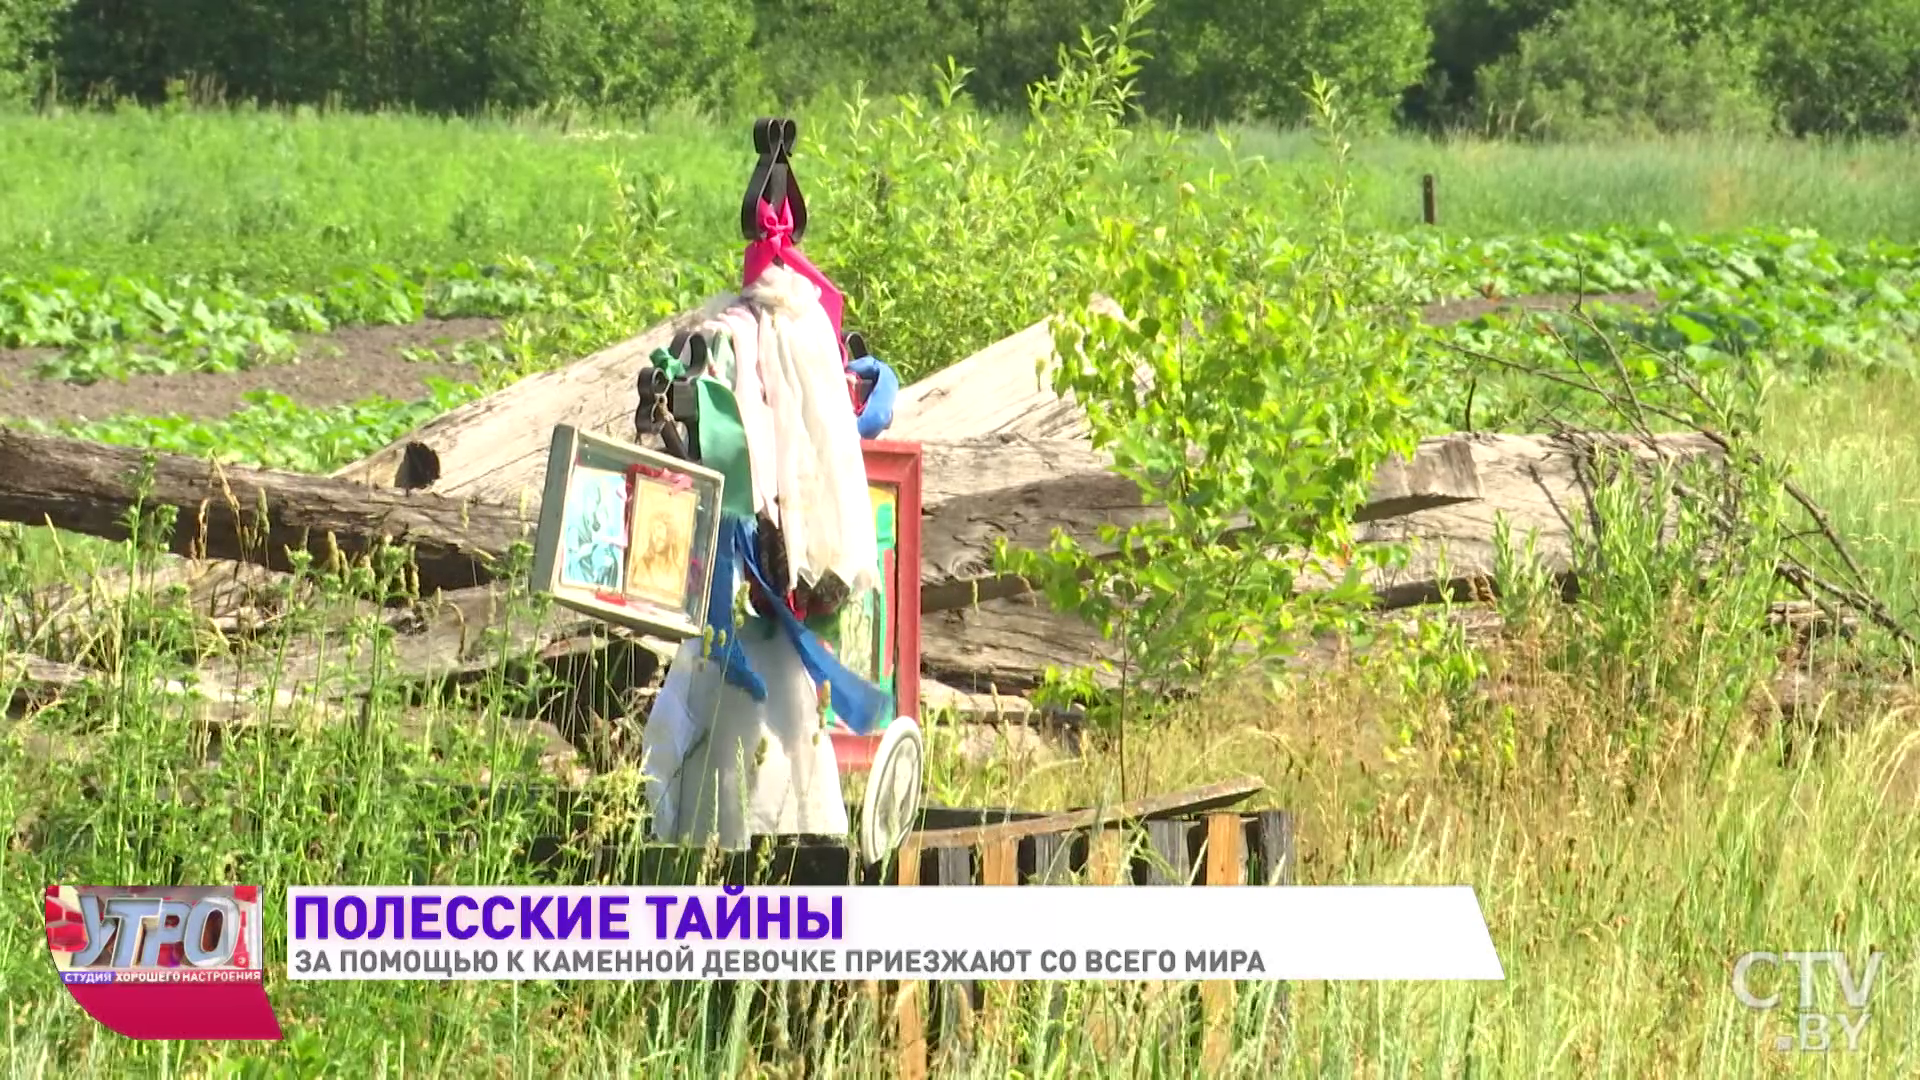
<point x="856" y="346"/>
<point x="670" y="409"/>
<point x="773" y="181"/>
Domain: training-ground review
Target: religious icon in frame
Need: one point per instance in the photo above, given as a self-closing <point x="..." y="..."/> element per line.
<point x="627" y="534"/>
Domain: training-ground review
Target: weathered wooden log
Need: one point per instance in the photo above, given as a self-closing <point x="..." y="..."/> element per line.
<point x="249" y="515"/>
<point x="1006" y="645"/>
<point x="1004" y="389"/>
<point x="496" y="448"/>
<point x="1540" y="485"/>
<point x="1023" y="490"/>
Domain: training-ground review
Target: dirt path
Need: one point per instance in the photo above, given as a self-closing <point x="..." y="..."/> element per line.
<point x="351" y="364"/>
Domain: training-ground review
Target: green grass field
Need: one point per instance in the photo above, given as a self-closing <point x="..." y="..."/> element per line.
<point x="1629" y="833"/>
<point x="274" y="193"/>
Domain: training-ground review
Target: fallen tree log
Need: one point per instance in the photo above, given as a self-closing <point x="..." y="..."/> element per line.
<point x="248" y="515"/>
<point x="1022" y="490"/>
<point x="1004" y="389"/>
<point x="1540" y="485"/>
<point x="974" y="492"/>
<point x="1005" y="646"/>
<point x="496" y="448"/>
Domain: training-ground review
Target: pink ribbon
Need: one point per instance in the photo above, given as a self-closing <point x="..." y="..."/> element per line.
<point x="776" y="242"/>
<point x="674" y="480"/>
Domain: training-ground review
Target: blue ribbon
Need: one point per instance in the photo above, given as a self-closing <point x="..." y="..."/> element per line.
<point x="857" y="702"/>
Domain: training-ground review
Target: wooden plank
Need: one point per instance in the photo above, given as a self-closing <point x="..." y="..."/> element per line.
<point x="1169" y="861"/>
<point x="455" y="634"/>
<point x="1106" y="857"/>
<point x="1272" y="845"/>
<point x="33" y="682"/>
<point x="1193" y="800"/>
<point x="967" y="706"/>
<point x="1270" y="839"/>
<point x="249" y="515"/>
<point x="1052" y="864"/>
<point x="1538" y="484"/>
<point x="1004" y="646"/>
<point x="909" y="1024"/>
<point x="1226" y="865"/>
<point x="1000" y="862"/>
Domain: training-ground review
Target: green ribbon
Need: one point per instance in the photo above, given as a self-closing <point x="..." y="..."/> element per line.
<point x="723" y="435"/>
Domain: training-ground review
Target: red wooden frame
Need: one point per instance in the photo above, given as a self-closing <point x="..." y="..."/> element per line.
<point x="895" y="465"/>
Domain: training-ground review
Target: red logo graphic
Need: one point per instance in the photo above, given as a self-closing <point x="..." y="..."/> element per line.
<point x="164" y="963"/>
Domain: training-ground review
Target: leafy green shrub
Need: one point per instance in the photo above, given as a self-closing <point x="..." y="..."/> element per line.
<point x="1601" y="69"/>
<point x="27" y="29"/>
<point x="1845" y="68"/>
<point x="941" y="239"/>
<point x="514" y="53"/>
<point x="1251" y="385"/>
<point x="1226" y="59"/>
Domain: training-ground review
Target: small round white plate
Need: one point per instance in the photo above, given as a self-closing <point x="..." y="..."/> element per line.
<point x="893" y="789"/>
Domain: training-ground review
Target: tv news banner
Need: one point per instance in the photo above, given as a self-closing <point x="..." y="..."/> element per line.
<point x="188" y="963"/>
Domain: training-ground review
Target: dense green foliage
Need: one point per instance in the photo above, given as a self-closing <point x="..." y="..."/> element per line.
<point x="1607" y="775"/>
<point x="1549" y="68"/>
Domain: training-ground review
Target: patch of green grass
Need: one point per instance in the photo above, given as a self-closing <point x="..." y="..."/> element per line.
<point x="1850" y="191"/>
<point x="1852" y="442"/>
<point x="274" y="432"/>
<point x="291" y="197"/>
<point x="1617" y="909"/>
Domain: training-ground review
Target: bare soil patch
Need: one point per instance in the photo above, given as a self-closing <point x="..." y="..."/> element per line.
<point x="350" y="364"/>
<point x="359" y="362"/>
<point x="1448" y="312"/>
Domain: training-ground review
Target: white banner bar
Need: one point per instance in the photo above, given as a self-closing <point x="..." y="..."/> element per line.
<point x="1015" y="933"/>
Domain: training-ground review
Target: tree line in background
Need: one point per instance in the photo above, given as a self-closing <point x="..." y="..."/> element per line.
<point x="1529" y="68"/>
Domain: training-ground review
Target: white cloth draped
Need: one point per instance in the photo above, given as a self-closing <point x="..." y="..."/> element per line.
<point x="826" y="515"/>
<point x="720" y="767"/>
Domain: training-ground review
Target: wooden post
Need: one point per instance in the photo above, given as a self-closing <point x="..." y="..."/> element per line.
<point x="1171" y="863"/>
<point x="953" y="868"/>
<point x="1106" y="865"/>
<point x="1428" y="201"/>
<point x="999" y="865"/>
<point x="1051" y="866"/>
<point x="910" y="1028"/>
<point x="1226" y="865"/>
<point x="1106" y="857"/>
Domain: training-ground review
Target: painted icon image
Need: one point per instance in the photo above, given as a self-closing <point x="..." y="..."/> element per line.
<point x="662" y="542"/>
<point x="594" y="535"/>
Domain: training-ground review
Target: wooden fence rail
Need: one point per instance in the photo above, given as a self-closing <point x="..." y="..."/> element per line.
<point x="1165" y="841"/>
